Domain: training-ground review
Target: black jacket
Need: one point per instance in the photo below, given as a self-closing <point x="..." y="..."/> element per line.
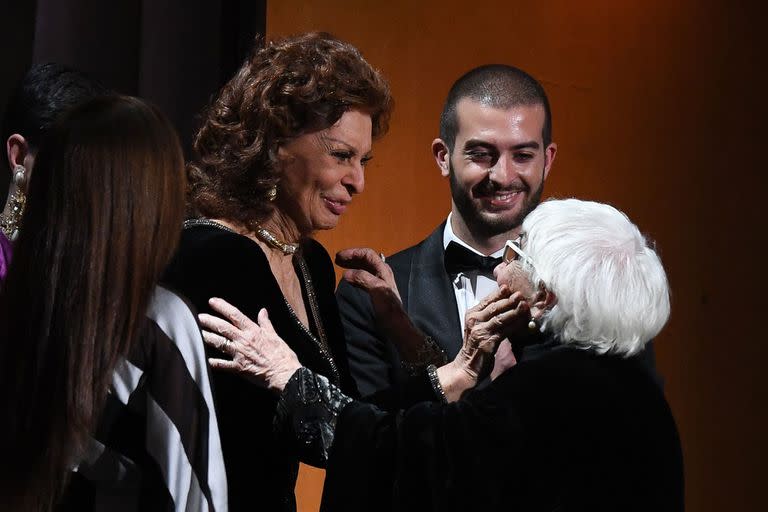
<point x="564" y="430"/>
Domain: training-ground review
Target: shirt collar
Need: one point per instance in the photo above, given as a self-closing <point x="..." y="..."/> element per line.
<point x="449" y="236"/>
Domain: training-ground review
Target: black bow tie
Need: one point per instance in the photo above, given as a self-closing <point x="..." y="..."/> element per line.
<point x="460" y="259"/>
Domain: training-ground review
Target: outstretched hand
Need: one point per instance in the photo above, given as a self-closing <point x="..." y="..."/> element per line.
<point x="257" y="352"/>
<point x="367" y="270"/>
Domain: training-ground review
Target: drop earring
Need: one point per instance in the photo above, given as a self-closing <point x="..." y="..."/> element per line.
<point x="9" y="223"/>
<point x="272" y="194"/>
<point x="532" y="325"/>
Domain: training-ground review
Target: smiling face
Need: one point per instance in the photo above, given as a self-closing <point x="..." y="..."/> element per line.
<point x="322" y="170"/>
<point x="497" y="165"/>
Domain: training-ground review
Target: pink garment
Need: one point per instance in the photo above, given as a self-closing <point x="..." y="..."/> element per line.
<point x="5" y="255"/>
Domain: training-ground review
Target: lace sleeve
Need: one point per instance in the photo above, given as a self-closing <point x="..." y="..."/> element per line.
<point x="306" y="415"/>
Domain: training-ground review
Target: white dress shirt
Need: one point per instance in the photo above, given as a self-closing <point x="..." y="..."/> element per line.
<point x="470" y="287"/>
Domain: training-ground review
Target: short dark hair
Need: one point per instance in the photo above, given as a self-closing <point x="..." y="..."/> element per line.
<point x="287" y="88"/>
<point x="498" y="86"/>
<point x="46" y="91"/>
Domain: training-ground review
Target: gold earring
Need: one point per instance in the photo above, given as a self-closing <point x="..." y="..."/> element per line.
<point x="9" y="224"/>
<point x="272" y="194"/>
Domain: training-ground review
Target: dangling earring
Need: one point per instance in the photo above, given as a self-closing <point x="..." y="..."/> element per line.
<point x="9" y="224"/>
<point x="19" y="176"/>
<point x="272" y="193"/>
<point x="532" y="325"/>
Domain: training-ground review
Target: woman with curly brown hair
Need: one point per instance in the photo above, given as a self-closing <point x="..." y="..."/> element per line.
<point x="280" y="154"/>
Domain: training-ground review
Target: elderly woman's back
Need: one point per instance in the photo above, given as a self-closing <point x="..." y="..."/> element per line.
<point x="565" y="429"/>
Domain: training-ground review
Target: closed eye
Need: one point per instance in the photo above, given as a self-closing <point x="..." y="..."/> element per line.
<point x="524" y="157"/>
<point x="481" y="156"/>
<point x="343" y="156"/>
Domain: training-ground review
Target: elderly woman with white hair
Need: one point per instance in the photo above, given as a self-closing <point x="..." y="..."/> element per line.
<point x="577" y="424"/>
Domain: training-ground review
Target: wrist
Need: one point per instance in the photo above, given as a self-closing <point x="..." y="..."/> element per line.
<point x="455" y="380"/>
<point x="278" y="382"/>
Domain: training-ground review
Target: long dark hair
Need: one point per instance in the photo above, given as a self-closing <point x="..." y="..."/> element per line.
<point x="106" y="202"/>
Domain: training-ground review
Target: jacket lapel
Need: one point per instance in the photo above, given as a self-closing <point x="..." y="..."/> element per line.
<point x="431" y="298"/>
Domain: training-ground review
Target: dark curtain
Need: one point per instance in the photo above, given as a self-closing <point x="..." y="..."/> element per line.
<point x="174" y="53"/>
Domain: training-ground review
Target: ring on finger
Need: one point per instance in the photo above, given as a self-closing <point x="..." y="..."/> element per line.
<point x="383" y="258"/>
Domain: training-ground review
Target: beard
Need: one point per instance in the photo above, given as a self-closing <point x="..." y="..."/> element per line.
<point x="485" y="223"/>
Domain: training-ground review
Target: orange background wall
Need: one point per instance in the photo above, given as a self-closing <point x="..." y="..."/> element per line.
<point x="658" y="109"/>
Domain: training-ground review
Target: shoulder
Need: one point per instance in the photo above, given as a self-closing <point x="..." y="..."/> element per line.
<point x="213" y="262"/>
<point x="402" y="260"/>
<point x="315" y="253"/>
<point x="202" y="241"/>
<point x="319" y="263"/>
<point x="172" y="332"/>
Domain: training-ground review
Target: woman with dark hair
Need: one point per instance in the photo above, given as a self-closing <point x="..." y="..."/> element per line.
<point x="92" y="377"/>
<point x="280" y="154"/>
<point x="44" y="94"/>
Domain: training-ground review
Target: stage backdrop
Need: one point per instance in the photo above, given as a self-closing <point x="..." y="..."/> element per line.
<point x="658" y="109"/>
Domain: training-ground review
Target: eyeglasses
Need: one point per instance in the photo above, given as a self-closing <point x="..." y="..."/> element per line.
<point x="512" y="251"/>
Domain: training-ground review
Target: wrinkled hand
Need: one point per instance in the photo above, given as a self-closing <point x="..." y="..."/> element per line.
<point x="258" y="353"/>
<point x="367" y="271"/>
<point x="493" y="320"/>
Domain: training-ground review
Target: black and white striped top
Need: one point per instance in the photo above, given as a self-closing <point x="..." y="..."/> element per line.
<point x="157" y="445"/>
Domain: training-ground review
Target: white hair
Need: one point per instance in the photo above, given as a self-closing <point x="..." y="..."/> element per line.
<point x="612" y="292"/>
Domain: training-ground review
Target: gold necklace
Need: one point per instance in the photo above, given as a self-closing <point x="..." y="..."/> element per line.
<point x="270" y="238"/>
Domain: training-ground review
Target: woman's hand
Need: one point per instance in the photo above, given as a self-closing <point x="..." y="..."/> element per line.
<point x="258" y="353"/>
<point x="486" y="326"/>
<point x="367" y="270"/>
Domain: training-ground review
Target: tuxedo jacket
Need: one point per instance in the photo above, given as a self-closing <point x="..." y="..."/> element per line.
<point x="429" y="299"/>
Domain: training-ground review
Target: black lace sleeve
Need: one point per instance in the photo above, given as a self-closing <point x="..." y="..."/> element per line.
<point x="306" y="415"/>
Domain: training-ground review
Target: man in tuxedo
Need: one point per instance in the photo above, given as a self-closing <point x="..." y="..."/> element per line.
<point x="496" y="149"/>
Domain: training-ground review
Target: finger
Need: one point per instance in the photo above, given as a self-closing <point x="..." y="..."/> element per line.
<point x="224" y="364"/>
<point x="219" y="326"/>
<point x="230" y="312"/>
<point x="519" y="315"/>
<point x="495" y="308"/>
<point x="502" y="293"/>
<point x="363" y="279"/>
<point x="265" y="322"/>
<point x="486" y="338"/>
<point x="362" y="259"/>
<point x="216" y="341"/>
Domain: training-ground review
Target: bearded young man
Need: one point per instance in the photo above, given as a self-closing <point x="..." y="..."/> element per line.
<point x="496" y="148"/>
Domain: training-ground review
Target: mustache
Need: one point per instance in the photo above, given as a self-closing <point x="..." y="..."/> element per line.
<point x="488" y="188"/>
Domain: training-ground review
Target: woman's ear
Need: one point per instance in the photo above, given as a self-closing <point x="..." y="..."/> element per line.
<point x="543" y="300"/>
<point x="16" y="151"/>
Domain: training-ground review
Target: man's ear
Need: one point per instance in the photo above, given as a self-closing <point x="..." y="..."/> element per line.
<point x="549" y="157"/>
<point x="16" y="150"/>
<point x="442" y="156"/>
<point x="543" y="300"/>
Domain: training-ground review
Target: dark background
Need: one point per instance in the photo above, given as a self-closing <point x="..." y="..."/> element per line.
<point x="174" y="53"/>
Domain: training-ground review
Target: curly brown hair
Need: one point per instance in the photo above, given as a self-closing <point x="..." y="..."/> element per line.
<point x="289" y="87"/>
